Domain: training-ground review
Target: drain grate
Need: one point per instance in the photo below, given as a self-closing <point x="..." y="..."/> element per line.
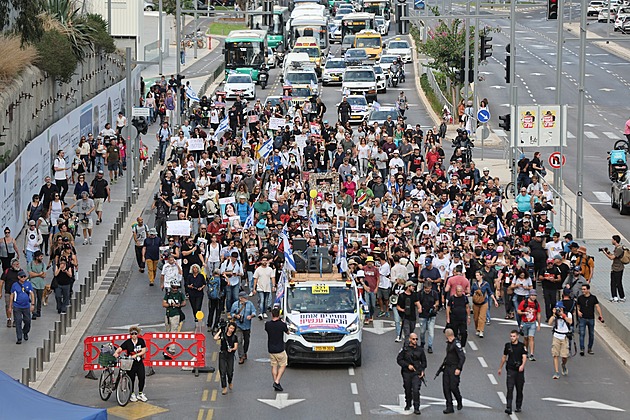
<point x="120" y="283"/>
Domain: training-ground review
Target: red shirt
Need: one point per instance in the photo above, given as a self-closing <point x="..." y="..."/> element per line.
<point x="532" y="309"/>
<point x="455" y="281"/>
<point x="371" y="277"/>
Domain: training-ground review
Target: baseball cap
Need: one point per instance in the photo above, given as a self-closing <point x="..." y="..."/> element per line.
<point x="533" y="292"/>
<point x="428" y="261"/>
<point x="549" y="260"/>
<point x="22" y="273"/>
<point x="409" y="283"/>
<point x="559" y="304"/>
<point x="242" y="294"/>
<point x="557" y="257"/>
<point x="100" y="171"/>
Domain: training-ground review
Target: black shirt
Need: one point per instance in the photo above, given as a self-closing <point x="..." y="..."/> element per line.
<point x="411" y="356"/>
<point x="227" y="341"/>
<point x="458" y="307"/>
<point x="130" y="348"/>
<point x="275" y="339"/>
<point x="99" y="188"/>
<point x="454" y="354"/>
<point x="408" y="305"/>
<point x="587" y="306"/>
<point x="514" y="353"/>
<point x="427" y="301"/>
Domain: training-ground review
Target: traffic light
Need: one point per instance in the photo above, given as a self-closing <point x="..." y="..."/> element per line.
<point x="460" y="72"/>
<point x="505" y="122"/>
<point x="552" y="9"/>
<point x="507" y="63"/>
<point x="179" y="80"/>
<point x="141" y="124"/>
<point x="485" y="49"/>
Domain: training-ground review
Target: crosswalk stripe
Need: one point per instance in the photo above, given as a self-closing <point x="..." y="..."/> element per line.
<point x="570" y="135"/>
<point x="499" y="132"/>
<point x="602" y="196"/>
<point x="611" y="136"/>
<point x="590" y="134"/>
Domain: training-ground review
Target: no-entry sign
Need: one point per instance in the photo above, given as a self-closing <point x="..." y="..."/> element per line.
<point x="556" y="160"/>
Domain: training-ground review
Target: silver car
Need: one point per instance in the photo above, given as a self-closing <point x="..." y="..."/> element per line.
<point x="620" y="194"/>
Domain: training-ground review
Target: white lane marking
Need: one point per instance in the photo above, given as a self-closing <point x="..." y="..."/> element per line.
<point x="590" y="134"/>
<point x="602" y="196"/>
<point x="357" y="408"/>
<point x="351" y="371"/>
<point x="499" y="132"/>
<point x="610" y="135"/>
<point x="353" y="388"/>
<point x="513" y="416"/>
<point x="472" y="345"/>
<point x="570" y="135"/>
<point x="502" y="397"/>
<point x="493" y="380"/>
<point x="482" y="361"/>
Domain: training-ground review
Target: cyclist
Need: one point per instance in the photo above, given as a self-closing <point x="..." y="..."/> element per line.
<point x="136" y="348"/>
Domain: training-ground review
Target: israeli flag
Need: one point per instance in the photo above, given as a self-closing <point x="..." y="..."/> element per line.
<point x="288" y="252"/>
<point x="341" y="260"/>
<point x="249" y="222"/>
<point x="281" y="287"/>
<point x="376" y="106"/>
<point x="223" y="126"/>
<point x="500" y="229"/>
<point x="313" y="217"/>
<point x="190" y="94"/>
<point x="266" y="149"/>
<point x="444" y="211"/>
<point x="244" y="139"/>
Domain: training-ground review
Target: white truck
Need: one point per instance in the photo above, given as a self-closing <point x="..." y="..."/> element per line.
<point x="325" y="319"/>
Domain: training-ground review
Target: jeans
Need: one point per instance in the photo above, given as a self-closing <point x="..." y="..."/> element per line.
<point x="22" y="315"/>
<point x="231" y="295"/>
<point x="100" y="163"/>
<point x="397" y="322"/>
<point x="250" y="280"/>
<point x="584" y="324"/>
<point x="163" y="147"/>
<point x="264" y="299"/>
<point x="160" y="226"/>
<point x="427" y="325"/>
<point x="243" y="341"/>
<point x="226" y="368"/>
<point x="29" y="256"/>
<point x="370" y="299"/>
<point x="62" y="295"/>
<point x="408" y="326"/>
<point x="616" y="284"/>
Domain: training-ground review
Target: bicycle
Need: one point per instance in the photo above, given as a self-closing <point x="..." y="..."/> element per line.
<point x="115" y="378"/>
<point x="509" y="191"/>
<point x="622" y="145"/>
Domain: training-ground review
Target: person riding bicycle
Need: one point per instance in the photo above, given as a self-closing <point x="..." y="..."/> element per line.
<point x="135" y="347"/>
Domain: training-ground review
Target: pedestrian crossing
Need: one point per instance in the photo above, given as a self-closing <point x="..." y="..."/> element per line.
<point x="588" y="134"/>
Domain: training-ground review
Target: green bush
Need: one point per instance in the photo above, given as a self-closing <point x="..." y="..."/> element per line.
<point x="56" y="56"/>
<point x="99" y="36"/>
<point x="430" y="93"/>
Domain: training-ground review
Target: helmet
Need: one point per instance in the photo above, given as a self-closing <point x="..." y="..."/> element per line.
<point x="175" y="283"/>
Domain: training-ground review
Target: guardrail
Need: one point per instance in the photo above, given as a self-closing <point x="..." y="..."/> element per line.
<point x="436" y="87"/>
<point x="152" y="52"/>
<point x="216" y="74"/>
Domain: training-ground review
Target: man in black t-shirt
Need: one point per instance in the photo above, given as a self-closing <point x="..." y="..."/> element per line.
<point x="587" y="303"/>
<point x="514" y="359"/>
<point x="99" y="190"/>
<point x="276" y="328"/>
<point x="458" y="314"/>
<point x="407" y="307"/>
<point x="551" y="281"/>
<point x="429" y="302"/>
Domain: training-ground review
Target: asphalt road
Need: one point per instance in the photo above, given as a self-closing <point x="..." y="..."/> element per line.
<point x="594" y="389"/>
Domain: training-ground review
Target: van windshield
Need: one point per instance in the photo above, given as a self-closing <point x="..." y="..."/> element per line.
<point x="359" y="76"/>
<point x="338" y="299"/>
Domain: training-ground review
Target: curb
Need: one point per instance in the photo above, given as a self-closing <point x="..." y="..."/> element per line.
<point x="610" y="46"/>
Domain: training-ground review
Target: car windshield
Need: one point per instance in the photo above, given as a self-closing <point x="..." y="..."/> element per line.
<point x="338" y="299"/>
<point x="239" y="79"/>
<point x="313" y="52"/>
<point x="342" y="12"/>
<point x="357" y="100"/>
<point x="301" y="78"/>
<point x="388" y="58"/>
<point x="380" y="20"/>
<point x="348" y="40"/>
<point x="378" y="70"/>
<point x="398" y="44"/>
<point x="359" y="76"/>
<point x="334" y="64"/>
<point x="302" y="92"/>
<point x="368" y="42"/>
<point x="356" y="53"/>
<point x="382" y="115"/>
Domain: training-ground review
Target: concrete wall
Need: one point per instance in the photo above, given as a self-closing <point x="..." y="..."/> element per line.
<point x="34" y="101"/>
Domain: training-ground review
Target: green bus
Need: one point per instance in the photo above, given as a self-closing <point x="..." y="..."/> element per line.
<point x="277" y="33"/>
<point x="245" y="51"/>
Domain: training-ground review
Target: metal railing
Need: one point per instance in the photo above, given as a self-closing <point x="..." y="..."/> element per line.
<point x="152" y="51"/>
<point x="436" y="87"/>
<point x="566" y="217"/>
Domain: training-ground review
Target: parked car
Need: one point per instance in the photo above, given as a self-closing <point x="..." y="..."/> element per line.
<point x="620" y="194"/>
<point x="603" y="16"/>
<point x="594" y="7"/>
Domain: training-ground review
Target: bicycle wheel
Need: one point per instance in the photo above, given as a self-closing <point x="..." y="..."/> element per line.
<point x="621" y="145"/>
<point x="123" y="391"/>
<point x="104" y="385"/>
<point x="509" y="191"/>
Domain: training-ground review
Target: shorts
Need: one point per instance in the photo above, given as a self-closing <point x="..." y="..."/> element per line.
<point x="560" y="347"/>
<point x="529" y="329"/>
<point x="88" y="225"/>
<point x="98" y="204"/>
<point x="112" y="166"/>
<point x="382" y="293"/>
<point x="278" y="359"/>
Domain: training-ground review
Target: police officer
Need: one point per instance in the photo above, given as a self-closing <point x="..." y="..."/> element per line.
<point x="412" y="362"/>
<point x="514" y="358"/>
<point x="453" y="365"/>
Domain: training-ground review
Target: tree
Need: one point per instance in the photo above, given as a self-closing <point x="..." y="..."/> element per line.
<point x="25" y="21"/>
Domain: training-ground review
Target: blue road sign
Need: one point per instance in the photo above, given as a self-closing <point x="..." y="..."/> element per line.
<point x="483" y="116"/>
<point x="418" y="4"/>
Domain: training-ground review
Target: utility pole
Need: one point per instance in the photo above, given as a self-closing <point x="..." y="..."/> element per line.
<point x="513" y="94"/>
<point x="579" y="199"/>
<point x="160" y="36"/>
<point x="557" y="178"/>
<point x="476" y="58"/>
<point x="131" y="145"/>
<point x="178" y="39"/>
<point x="467" y="55"/>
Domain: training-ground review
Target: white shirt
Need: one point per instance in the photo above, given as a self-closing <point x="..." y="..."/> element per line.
<point x="60" y="174"/>
<point x="553" y="248"/>
<point x="170" y="273"/>
<point x="263" y="275"/>
<point x="561" y="327"/>
<point x="442" y="265"/>
<point x="384" y="272"/>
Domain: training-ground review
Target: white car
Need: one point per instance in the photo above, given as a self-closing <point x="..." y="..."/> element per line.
<point x="595" y="6"/>
<point x="360" y="108"/>
<point x="382" y="25"/>
<point x="335" y="36"/>
<point x="400" y="47"/>
<point x="333" y="71"/>
<point x="603" y="17"/>
<point x="386" y="61"/>
<point x="360" y="80"/>
<point x="302" y="77"/>
<point x="381" y="79"/>
<point x="380" y="115"/>
<point x="240" y="83"/>
<point x="620" y="21"/>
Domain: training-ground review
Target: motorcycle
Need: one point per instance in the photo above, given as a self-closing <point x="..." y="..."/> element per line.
<point x="205" y="115"/>
<point x="263" y="76"/>
<point x="393" y="78"/>
<point x="617" y="166"/>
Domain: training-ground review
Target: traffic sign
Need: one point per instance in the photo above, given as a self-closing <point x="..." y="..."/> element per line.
<point x="482" y="132"/>
<point x="556" y="160"/>
<point x="483" y="115"/>
<point x="418" y="4"/>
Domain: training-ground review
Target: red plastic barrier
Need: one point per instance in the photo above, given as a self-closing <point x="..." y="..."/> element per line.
<point x="189" y="355"/>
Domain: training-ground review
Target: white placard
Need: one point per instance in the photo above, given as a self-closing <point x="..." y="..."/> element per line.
<point x="227" y="200"/>
<point x="277" y="123"/>
<point x="139" y="111"/>
<point x="178" y="228"/>
<point x="301" y="141"/>
<point x="195" y="144"/>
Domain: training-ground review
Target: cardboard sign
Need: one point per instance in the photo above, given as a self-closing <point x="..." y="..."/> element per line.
<point x="178" y="228"/>
<point x="196" y="144"/>
<point x="277" y="123"/>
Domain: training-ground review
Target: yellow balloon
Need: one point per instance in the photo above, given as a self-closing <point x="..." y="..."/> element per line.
<point x="199" y="315"/>
<point x="313" y="193"/>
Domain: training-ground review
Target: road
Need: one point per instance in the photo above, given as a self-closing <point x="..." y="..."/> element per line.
<point x="606" y="110"/>
<point x="340" y="392"/>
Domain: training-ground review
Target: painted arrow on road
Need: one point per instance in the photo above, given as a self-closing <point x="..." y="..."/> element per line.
<point x="550" y="88"/>
<point x="282" y="401"/>
<point x="400" y="408"/>
<point x="466" y="403"/>
<point x="607" y="90"/>
<point x="593" y="405"/>
<point x="379" y="327"/>
<point x="497" y="87"/>
<point x="428" y="401"/>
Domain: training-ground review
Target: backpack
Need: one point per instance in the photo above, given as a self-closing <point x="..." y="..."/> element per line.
<point x="530" y="267"/>
<point x="625" y="258"/>
<point x="214" y="287"/>
<point x="478" y="297"/>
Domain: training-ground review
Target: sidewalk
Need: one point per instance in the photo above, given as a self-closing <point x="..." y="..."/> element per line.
<point x="613" y="47"/>
<point x="87" y="255"/>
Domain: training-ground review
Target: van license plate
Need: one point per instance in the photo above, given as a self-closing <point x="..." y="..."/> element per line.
<point x="324" y="348"/>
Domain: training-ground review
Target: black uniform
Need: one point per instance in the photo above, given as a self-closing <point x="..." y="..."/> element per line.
<point x="411" y="379"/>
<point x="454" y="360"/>
<point x="515" y="379"/>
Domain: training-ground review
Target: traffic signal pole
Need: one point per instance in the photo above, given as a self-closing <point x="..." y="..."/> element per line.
<point x="579" y="198"/>
<point x="513" y="95"/>
<point x="476" y="72"/>
<point x="557" y="178"/>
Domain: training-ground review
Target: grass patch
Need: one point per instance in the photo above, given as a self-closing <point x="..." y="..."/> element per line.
<point x="224" y="28"/>
<point x="13" y="58"/>
<point x="430" y="93"/>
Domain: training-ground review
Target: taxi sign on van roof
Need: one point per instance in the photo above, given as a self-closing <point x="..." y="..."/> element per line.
<point x="320" y="289"/>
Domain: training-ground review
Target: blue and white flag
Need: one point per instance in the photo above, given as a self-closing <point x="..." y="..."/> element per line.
<point x="244" y="139"/>
<point x="190" y="94"/>
<point x="446" y="210"/>
<point x="266" y="149"/>
<point x="223" y="126"/>
<point x="500" y="229"/>
<point x="280" y="288"/>
<point x="249" y="222"/>
<point x="341" y="260"/>
<point x="312" y="217"/>
<point x="376" y="106"/>
<point x="286" y="249"/>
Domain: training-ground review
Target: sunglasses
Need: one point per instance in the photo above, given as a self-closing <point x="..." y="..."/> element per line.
<point x="414" y="339"/>
<point x="133" y="333"/>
